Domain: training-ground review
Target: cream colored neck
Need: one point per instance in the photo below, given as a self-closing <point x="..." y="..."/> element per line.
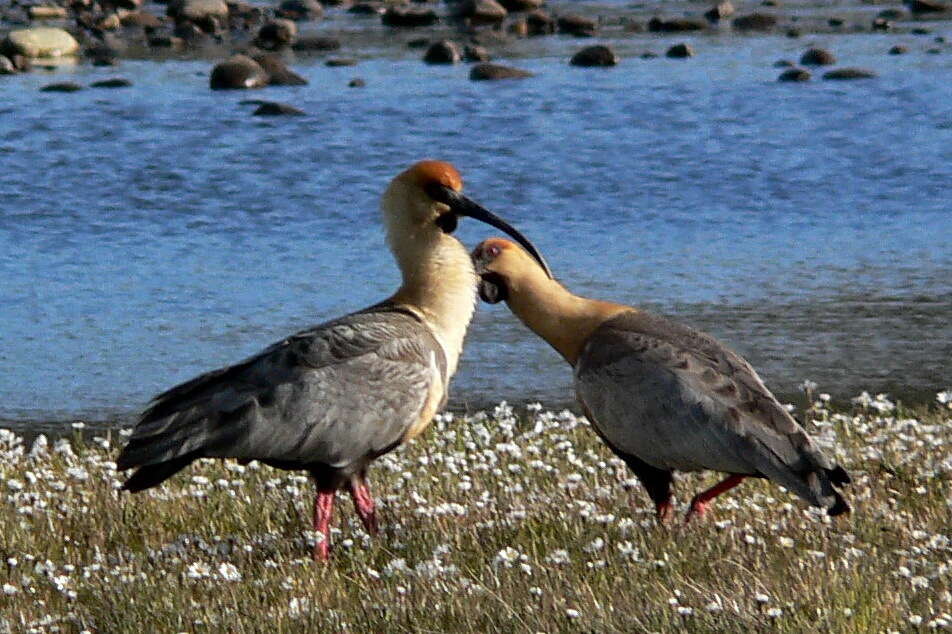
<point x="564" y="320"/>
<point x="438" y="281"/>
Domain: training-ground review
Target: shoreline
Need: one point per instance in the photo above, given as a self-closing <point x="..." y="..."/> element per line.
<point x="30" y="428"/>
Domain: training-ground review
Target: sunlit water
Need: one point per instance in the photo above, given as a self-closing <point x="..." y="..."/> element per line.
<point x="151" y="233"/>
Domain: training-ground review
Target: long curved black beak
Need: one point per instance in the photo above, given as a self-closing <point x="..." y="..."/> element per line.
<point x="460" y="205"/>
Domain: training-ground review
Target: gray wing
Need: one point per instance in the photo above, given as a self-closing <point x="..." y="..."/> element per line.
<point x="334" y="394"/>
<point x="679" y="399"/>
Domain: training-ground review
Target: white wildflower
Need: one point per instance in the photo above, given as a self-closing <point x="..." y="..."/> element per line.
<point x="9" y="590"/>
<point x="558" y="557"/>
<point x="506" y="557"/>
<point x="229" y="572"/>
<point x="572" y="614"/>
<point x="595" y="545"/>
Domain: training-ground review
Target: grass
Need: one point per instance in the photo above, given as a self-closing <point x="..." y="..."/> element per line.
<point x="491" y="522"/>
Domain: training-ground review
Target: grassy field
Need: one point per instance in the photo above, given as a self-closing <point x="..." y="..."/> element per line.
<point x="492" y="522"/>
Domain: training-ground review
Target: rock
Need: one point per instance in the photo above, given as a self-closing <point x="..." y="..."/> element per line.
<point x="300" y="10"/>
<point x="489" y="72"/>
<point x="793" y="33"/>
<point x="341" y="61"/>
<point x="933" y="51"/>
<point x="66" y="86"/>
<point x="849" y="73"/>
<point x="21" y="63"/>
<point x="720" y="11"/>
<point x="577" y="25"/>
<point x="443" y="52"/>
<point x="927" y="6"/>
<point x="141" y="19"/>
<point x="40" y="41"/>
<point x="675" y="25"/>
<point x="783" y="63"/>
<point x="795" y="74"/>
<point x="476" y="54"/>
<point x="408" y="17"/>
<point x="116" y="82"/>
<point x="278" y="72"/>
<point x="276" y="34"/>
<point x="481" y="12"/>
<point x="893" y="14"/>
<point x="315" y="43"/>
<point x="835" y="22"/>
<point x="6" y="66"/>
<point x="356" y="82"/>
<point x="163" y="40"/>
<point x="881" y="24"/>
<point x="197" y="10"/>
<point x="238" y="72"/>
<point x="595" y="56"/>
<point x="648" y="55"/>
<point x="110" y="23"/>
<point x="274" y="108"/>
<point x="920" y="31"/>
<point x="47" y="13"/>
<point x="817" y="57"/>
<point x="367" y="8"/>
<point x="515" y="6"/>
<point x="898" y="49"/>
<point x="196" y="33"/>
<point x="754" y="22"/>
<point x="540" y="23"/>
<point x="680" y="51"/>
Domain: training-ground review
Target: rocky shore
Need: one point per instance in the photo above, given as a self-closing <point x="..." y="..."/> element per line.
<point x="249" y="45"/>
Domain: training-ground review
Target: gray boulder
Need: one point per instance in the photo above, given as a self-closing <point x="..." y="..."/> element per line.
<point x="492" y="72"/>
<point x="849" y="73"/>
<point x="817" y="57"/>
<point x="41" y="41"/>
<point x="595" y="56"/>
<point x="238" y="72"/>
<point x="443" y="52"/>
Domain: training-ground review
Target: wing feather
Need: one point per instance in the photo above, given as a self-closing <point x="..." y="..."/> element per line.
<point x="679" y="399"/>
<point x="332" y="395"/>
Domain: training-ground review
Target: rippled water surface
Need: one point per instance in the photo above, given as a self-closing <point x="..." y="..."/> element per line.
<point x="151" y="233"/>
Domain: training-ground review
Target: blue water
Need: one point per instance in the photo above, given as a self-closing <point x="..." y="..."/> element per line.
<point x="151" y="233"/>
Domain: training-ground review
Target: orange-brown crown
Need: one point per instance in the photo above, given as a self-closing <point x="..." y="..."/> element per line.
<point x="436" y="172"/>
<point x="491" y="248"/>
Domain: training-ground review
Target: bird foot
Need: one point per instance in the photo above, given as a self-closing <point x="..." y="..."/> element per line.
<point x="322" y="551"/>
<point x="364" y="504"/>
<point x="664" y="511"/>
<point x="697" y="509"/>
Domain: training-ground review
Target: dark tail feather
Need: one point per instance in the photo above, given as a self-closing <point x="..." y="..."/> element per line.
<point x="153" y="474"/>
<point x="839" y="506"/>
<point x="838" y="476"/>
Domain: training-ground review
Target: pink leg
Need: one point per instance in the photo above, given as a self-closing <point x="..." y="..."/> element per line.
<point x="663" y="510"/>
<point x="323" y="505"/>
<point x="364" y="503"/>
<point x="700" y="501"/>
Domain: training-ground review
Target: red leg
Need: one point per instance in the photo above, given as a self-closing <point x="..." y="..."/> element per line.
<point x="323" y="505"/>
<point x="700" y="501"/>
<point x="663" y="510"/>
<point x="364" y="503"/>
